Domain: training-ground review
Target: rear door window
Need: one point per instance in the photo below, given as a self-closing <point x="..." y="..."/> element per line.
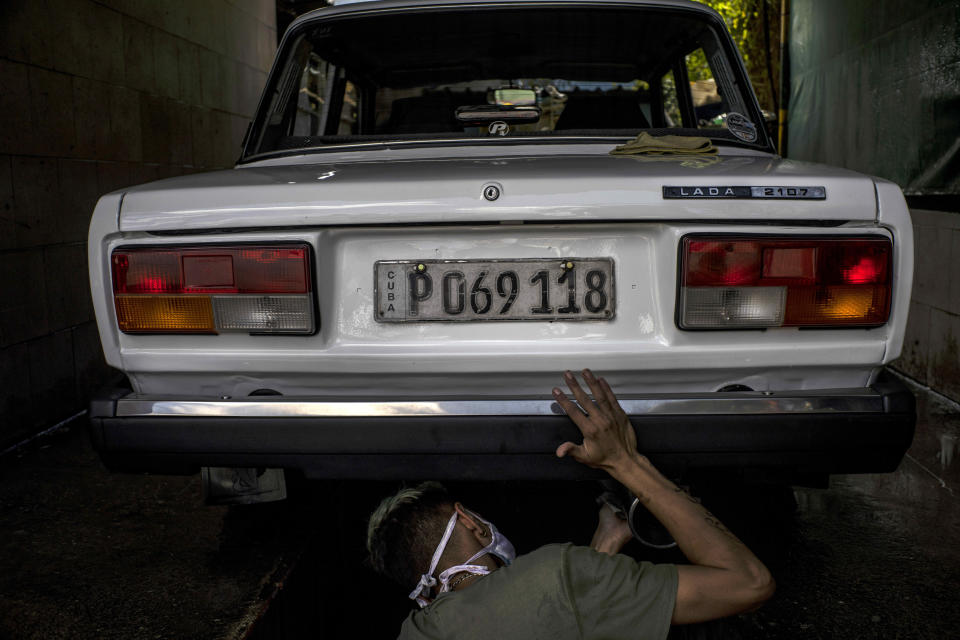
<point x="709" y="106"/>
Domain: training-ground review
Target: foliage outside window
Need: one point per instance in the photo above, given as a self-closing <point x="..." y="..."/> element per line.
<point x="755" y="27"/>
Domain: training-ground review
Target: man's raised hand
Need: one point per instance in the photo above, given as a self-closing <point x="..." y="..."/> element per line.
<point x="608" y="437"/>
<point x="723" y="577"/>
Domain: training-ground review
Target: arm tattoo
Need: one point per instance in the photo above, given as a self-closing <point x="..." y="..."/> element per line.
<point x="709" y="517"/>
<point x="687" y="495"/>
<point x="712" y="520"/>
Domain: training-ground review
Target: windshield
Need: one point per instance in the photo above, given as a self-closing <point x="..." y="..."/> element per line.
<point x="455" y="73"/>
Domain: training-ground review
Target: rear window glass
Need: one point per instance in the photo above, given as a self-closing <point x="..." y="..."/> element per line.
<point x="476" y="73"/>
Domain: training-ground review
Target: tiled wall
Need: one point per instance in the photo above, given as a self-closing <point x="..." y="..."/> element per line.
<point x="930" y="349"/>
<point x="876" y="88"/>
<point x="95" y="96"/>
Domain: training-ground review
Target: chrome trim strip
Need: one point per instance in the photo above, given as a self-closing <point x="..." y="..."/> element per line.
<point x="427" y="142"/>
<point x="477" y="142"/>
<point x="832" y="401"/>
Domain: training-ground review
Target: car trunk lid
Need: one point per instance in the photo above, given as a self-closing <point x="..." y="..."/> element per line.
<point x="573" y="183"/>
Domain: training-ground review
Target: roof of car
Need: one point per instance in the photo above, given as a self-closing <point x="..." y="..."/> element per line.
<point x="344" y="7"/>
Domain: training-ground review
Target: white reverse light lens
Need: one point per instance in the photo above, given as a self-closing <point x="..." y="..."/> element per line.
<point x="716" y="307"/>
<point x="266" y="314"/>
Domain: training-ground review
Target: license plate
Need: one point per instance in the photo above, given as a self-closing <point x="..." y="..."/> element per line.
<point x="474" y="290"/>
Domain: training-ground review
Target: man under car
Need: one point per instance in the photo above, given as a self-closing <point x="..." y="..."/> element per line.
<point x="469" y="582"/>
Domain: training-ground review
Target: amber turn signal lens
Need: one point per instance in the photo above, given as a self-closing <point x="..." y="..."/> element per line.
<point x="857" y="305"/>
<point x="165" y="314"/>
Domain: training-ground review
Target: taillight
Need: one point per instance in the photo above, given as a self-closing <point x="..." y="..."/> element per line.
<point x="743" y="282"/>
<point x="211" y="289"/>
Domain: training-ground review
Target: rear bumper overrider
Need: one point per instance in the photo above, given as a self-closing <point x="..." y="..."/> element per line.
<point x="809" y="432"/>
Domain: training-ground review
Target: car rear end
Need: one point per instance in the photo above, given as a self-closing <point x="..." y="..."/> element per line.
<point x="754" y="342"/>
<point x="362" y="304"/>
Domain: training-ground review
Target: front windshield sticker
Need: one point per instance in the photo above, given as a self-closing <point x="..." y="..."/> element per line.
<point x="498" y="128"/>
<point x="739" y="126"/>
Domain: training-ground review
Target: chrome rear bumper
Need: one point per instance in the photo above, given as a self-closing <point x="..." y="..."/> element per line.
<point x="825" y="431"/>
<point x="752" y="403"/>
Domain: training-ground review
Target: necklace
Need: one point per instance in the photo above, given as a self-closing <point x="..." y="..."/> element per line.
<point x="460" y="579"/>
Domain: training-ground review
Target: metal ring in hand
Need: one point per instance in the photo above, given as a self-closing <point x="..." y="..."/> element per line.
<point x="633" y="509"/>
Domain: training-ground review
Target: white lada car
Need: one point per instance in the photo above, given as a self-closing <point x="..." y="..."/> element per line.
<point x="426" y="227"/>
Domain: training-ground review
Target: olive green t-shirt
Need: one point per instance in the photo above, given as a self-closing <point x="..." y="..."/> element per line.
<point x="559" y="591"/>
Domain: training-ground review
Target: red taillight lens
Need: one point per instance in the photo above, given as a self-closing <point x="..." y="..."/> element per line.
<point x="243" y="288"/>
<point x="145" y="271"/>
<point x="722" y="263"/>
<point x="272" y="270"/>
<point x="794" y="264"/>
<point x="734" y="282"/>
<point x="212" y="270"/>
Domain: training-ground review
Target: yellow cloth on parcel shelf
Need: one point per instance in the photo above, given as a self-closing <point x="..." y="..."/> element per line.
<point x="648" y="145"/>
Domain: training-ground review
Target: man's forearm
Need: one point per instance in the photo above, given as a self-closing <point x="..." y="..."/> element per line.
<point x="699" y="534"/>
<point x="726" y="577"/>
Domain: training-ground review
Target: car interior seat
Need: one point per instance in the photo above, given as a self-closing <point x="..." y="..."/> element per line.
<point x="606" y="110"/>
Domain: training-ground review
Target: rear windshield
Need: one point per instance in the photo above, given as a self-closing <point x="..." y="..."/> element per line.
<point x="445" y="74"/>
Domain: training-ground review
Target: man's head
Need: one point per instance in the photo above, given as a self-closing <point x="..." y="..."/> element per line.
<point x="405" y="529"/>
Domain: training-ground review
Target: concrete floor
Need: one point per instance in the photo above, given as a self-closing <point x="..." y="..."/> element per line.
<point x="875" y="556"/>
<point x="87" y="554"/>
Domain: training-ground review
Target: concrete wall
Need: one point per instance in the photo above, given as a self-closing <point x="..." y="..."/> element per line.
<point x="875" y="87"/>
<point x="96" y="96"/>
<point x="930" y="349"/>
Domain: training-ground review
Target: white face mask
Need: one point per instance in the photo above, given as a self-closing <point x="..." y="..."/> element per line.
<point x="499" y="546"/>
